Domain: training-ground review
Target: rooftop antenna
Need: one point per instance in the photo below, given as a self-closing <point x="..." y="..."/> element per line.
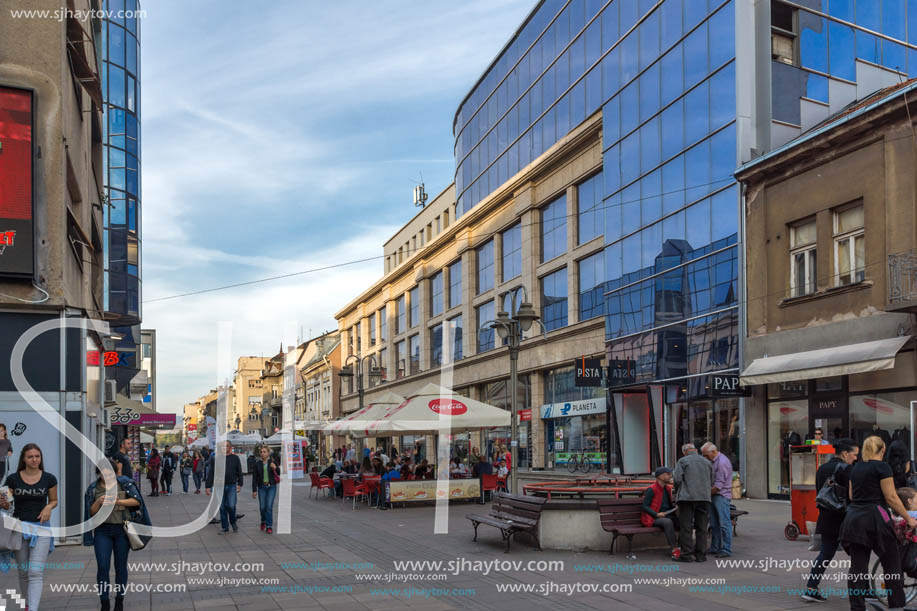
<point x="420" y="194"/>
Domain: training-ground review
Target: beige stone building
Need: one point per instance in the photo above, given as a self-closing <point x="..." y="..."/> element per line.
<point x="832" y="285"/>
<point x="248" y="388"/>
<point x="320" y="387"/>
<point x="524" y="240"/>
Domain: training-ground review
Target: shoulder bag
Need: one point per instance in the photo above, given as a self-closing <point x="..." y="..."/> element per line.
<point x="828" y="498"/>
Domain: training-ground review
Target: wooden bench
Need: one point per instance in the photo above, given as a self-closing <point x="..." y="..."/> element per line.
<point x="512" y="513"/>
<point x="622" y="517"/>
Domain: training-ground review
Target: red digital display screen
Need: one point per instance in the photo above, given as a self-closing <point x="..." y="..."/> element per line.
<point x="16" y="241"/>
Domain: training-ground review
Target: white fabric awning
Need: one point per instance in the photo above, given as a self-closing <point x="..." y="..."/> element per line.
<point x="827" y="362"/>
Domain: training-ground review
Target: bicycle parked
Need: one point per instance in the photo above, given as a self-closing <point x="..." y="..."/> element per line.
<point x="578" y="460"/>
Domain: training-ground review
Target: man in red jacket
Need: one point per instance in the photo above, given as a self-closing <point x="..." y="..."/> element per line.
<point x="658" y="508"/>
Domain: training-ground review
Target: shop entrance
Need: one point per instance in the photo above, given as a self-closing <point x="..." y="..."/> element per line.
<point x="831" y="415"/>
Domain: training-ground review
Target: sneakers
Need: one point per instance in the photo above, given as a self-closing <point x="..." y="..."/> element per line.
<point x="270" y="531"/>
<point x="235" y="528"/>
<point x="813" y="596"/>
<point x="262" y="526"/>
<point x="223" y="532"/>
<point x="676" y="554"/>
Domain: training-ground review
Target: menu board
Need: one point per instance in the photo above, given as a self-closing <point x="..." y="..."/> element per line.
<point x="426" y="490"/>
<point x="133" y="433"/>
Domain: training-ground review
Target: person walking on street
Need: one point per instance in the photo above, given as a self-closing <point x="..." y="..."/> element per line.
<point x="187" y="468"/>
<point x="120" y="459"/>
<point x="6" y="450"/>
<point x="34" y="493"/>
<point x="232" y="485"/>
<point x="829" y="522"/>
<point x="153" y="465"/>
<point x="868" y="527"/>
<point x="659" y="508"/>
<point x="693" y="478"/>
<point x="168" y="470"/>
<point x="721" y="497"/>
<point x="265" y="477"/>
<point x="250" y="464"/>
<point x="109" y="537"/>
<point x="197" y="471"/>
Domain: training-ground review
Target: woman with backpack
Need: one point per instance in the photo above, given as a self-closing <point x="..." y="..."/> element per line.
<point x="153" y="465"/>
<point x="109" y="537"/>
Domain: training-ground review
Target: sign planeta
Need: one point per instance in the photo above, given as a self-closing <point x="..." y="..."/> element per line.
<point x="448" y="407"/>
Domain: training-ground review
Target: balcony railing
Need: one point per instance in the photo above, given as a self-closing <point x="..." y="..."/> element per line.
<point x="902" y="277"/>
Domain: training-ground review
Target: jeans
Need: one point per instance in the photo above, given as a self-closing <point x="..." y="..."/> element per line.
<point x="266" y="496"/>
<point x="110" y="538"/>
<point x="825" y="555"/>
<point x="721" y="523"/>
<point x="859" y="566"/>
<point x="184" y="482"/>
<point x="668" y="527"/>
<point x="197" y="480"/>
<point x="31" y="561"/>
<point x="693" y="518"/>
<point x="228" y="507"/>
<point x="166" y="481"/>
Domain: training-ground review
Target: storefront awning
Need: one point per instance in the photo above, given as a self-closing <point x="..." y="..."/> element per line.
<point x="841" y="360"/>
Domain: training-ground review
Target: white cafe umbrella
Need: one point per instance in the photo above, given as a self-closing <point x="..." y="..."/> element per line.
<point x="277" y="438"/>
<point x="201" y="442"/>
<point x="361" y="419"/>
<point x="435" y="408"/>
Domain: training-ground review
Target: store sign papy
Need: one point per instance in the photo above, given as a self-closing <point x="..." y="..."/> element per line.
<point x="426" y="490"/>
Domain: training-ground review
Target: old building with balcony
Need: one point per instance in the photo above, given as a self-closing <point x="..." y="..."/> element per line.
<point x="830" y="225"/>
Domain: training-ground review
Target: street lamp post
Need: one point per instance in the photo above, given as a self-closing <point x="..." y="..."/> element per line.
<point x="374" y="372"/>
<point x="511" y="328"/>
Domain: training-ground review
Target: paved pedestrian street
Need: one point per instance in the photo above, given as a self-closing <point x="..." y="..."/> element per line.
<point x="317" y="566"/>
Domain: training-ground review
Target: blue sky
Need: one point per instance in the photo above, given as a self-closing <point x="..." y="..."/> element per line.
<point x="284" y="136"/>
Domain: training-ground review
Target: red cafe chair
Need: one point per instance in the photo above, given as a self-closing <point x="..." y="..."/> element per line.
<point x="352" y="490"/>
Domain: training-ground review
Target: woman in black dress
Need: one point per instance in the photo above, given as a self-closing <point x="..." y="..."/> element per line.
<point x="868" y="527"/>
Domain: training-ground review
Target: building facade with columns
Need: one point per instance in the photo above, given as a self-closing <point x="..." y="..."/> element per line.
<point x="533" y="238"/>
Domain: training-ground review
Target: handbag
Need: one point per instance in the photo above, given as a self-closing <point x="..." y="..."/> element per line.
<point x="10" y="539"/>
<point x="136" y="541"/>
<point x="828" y="498"/>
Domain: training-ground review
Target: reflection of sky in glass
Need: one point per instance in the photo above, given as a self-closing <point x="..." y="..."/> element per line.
<point x="813" y="42"/>
<point x="817" y="87"/>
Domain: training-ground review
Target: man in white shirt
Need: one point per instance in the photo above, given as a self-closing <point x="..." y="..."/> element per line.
<point x="351" y="453"/>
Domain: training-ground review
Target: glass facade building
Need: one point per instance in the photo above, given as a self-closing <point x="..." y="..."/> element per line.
<point x="687" y="92"/>
<point x="120" y="52"/>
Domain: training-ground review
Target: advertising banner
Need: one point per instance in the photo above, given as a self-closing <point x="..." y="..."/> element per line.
<point x="292" y="450"/>
<point x="425" y="490"/>
<point x="17" y="252"/>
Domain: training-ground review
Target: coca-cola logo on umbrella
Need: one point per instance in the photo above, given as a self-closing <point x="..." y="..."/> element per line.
<point x="448" y="407"/>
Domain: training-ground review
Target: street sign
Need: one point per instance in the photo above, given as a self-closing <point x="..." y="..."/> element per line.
<point x="621" y="372"/>
<point x="588" y="372"/>
<point x="727" y="385"/>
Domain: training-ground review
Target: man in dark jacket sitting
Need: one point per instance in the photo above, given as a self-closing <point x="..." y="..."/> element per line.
<point x="829" y="522"/>
<point x="658" y="508"/>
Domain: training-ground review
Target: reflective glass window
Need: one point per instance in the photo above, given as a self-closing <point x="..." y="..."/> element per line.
<point x="436" y="345"/>
<point x="414" y="352"/>
<point x="454" y="326"/>
<point x="116" y="86"/>
<point x="673" y="227"/>
<point x="554" y="229"/>
<point x="813" y="41"/>
<point x="723" y="147"/>
<point x="695" y="47"/>
<point x="697" y="171"/>
<point x="436" y="294"/>
<point x="132" y="54"/>
<point x="115" y="44"/>
<point x="868" y="47"/>
<point x="401" y="318"/>
<point x="612" y="210"/>
<point x="512" y="252"/>
<point x="591" y="217"/>
<point x="554" y="299"/>
<point x="842" y="51"/>
<point x="722" y="36"/>
<point x="651" y="241"/>
<point x="414" y="299"/>
<point x="485" y="257"/>
<point x="629" y="52"/>
<point x="670" y="23"/>
<point x="672" y="68"/>
<point x="650" y="199"/>
<point x="485" y="312"/>
<point x="722" y="96"/>
<point x="612" y="169"/>
<point x="649" y="40"/>
<point x="383" y="324"/>
<point x="455" y="284"/>
<point x="649" y="92"/>
<point x="611" y="121"/>
<point x="630" y="208"/>
<point x="630" y="158"/>
<point x="630" y="108"/>
<point x="649" y="145"/>
<point x="697" y="224"/>
<point x="610" y="25"/>
<point x="696" y="113"/>
<point x="725" y="206"/>
<point x="592" y="286"/>
<point x="673" y="129"/>
<point x="694" y="12"/>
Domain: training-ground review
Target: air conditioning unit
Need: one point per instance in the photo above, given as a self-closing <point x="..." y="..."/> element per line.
<point x="106" y="418"/>
<point x="111" y="389"/>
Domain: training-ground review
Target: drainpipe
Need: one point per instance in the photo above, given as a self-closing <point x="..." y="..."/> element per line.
<point x="743" y="329"/>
